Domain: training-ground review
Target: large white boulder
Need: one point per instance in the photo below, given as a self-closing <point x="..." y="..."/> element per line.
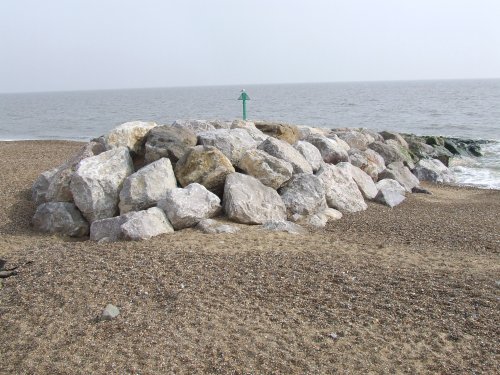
<point x="433" y="170"/>
<point x="310" y="153"/>
<point x="331" y="151"/>
<point x="147" y="186"/>
<point x="197" y="126"/>
<point x="130" y="134"/>
<point x="185" y="207"/>
<point x="232" y="142"/>
<point x="97" y="182"/>
<point x="342" y="192"/>
<point x="143" y="225"/>
<point x="368" y="161"/>
<point x="390" y="192"/>
<point x="61" y="218"/>
<point x="355" y="139"/>
<point x="364" y="182"/>
<point x="136" y="225"/>
<point x="54" y="185"/>
<point x="285" y="151"/>
<point x="248" y="201"/>
<point x="304" y="195"/>
<point x="269" y="170"/>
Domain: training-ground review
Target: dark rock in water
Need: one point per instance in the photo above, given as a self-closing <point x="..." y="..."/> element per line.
<point x="451" y="147"/>
<point x="442" y="154"/>
<point x="434" y="140"/>
<point x="420" y="190"/>
<point x="475" y="150"/>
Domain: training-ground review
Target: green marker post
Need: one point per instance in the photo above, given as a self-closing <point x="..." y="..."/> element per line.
<point x="244" y="97"/>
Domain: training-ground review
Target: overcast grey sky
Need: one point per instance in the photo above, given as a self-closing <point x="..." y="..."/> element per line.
<point x="98" y="44"/>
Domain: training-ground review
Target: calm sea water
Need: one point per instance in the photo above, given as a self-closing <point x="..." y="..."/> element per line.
<point x="468" y="108"/>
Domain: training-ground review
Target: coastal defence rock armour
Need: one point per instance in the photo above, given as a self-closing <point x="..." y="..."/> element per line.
<point x="260" y="175"/>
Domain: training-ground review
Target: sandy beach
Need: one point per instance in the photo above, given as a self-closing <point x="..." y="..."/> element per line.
<point x="413" y="289"/>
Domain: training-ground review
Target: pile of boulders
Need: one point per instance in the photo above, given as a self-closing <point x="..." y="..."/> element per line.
<point x="143" y="179"/>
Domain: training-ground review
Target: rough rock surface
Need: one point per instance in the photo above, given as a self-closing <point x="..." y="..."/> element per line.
<point x="283" y="150"/>
<point x="196" y="126"/>
<point x="389" y="151"/>
<point x="331" y="151"/>
<point x="147" y="186"/>
<point x="248" y="201"/>
<point x="143" y="225"/>
<point x="341" y="190"/>
<point x="332" y="214"/>
<point x="211" y="226"/>
<point x="304" y="195"/>
<point x="283" y="226"/>
<point x="269" y="170"/>
<point x="170" y="142"/>
<point x="109" y="230"/>
<point x="97" y="182"/>
<point x="433" y="170"/>
<point x="130" y="134"/>
<point x="310" y="153"/>
<point x="185" y="207"/>
<point x="61" y="218"/>
<point x="232" y="142"/>
<point x="356" y="139"/>
<point x="137" y="225"/>
<point x="399" y="172"/>
<point x="364" y="182"/>
<point x="284" y="132"/>
<point x="395" y="136"/>
<point x="368" y="161"/>
<point x="390" y="192"/>
<point x="54" y="185"/>
<point x="205" y="165"/>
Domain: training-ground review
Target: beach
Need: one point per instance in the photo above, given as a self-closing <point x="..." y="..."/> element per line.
<point x="412" y="289"/>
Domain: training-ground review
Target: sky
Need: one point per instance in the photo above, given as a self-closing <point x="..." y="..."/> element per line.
<point x="59" y="45"/>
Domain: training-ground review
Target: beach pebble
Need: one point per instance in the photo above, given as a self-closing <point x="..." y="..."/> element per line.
<point x="110" y="312"/>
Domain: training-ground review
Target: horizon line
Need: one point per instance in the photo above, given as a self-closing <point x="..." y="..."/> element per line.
<point x="248" y="85"/>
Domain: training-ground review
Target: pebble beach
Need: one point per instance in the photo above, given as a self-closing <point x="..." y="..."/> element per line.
<point x="412" y="289"/>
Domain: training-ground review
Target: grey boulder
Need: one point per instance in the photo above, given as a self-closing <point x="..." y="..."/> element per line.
<point x="97" y="182"/>
<point x="283" y="150"/>
<point x="331" y="151"/>
<point x="196" y="126"/>
<point x="137" y="225"/>
<point x="341" y="191"/>
<point x="310" y="153"/>
<point x="433" y="170"/>
<point x="399" y="172"/>
<point x="364" y="182"/>
<point x="391" y="152"/>
<point x="390" y="192"/>
<point x="269" y="170"/>
<point x="142" y="225"/>
<point x="283" y="226"/>
<point x="61" y="218"/>
<point x="147" y="186"/>
<point x="166" y="141"/>
<point x="210" y="226"/>
<point x="130" y="134"/>
<point x="304" y="195"/>
<point x="368" y="161"/>
<point x="248" y="201"/>
<point x="185" y="207"/>
<point x="232" y="142"/>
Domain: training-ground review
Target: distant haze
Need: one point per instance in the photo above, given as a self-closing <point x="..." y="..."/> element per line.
<point x="99" y="44"/>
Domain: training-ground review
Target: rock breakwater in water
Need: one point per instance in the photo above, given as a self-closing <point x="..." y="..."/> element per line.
<point x="142" y="179"/>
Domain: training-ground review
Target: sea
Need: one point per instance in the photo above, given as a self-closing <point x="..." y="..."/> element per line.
<point x="459" y="108"/>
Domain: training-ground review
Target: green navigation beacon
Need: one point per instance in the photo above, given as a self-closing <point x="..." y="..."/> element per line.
<point x="244" y="96"/>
